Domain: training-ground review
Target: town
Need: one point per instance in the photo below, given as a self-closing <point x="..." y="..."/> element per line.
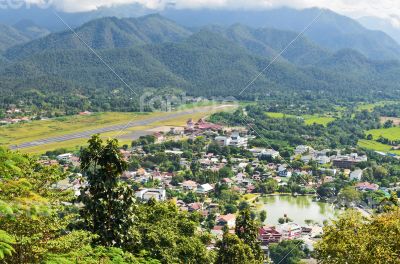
<point x="210" y="169"/>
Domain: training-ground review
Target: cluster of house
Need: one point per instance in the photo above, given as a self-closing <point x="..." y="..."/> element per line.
<point x="7" y="121"/>
<point x="13" y="116"/>
<point x="345" y="161"/>
<point x="242" y="181"/>
<point x="287" y="231"/>
<point x="63" y="160"/>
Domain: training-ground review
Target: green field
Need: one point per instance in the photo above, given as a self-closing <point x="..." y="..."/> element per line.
<point x="25" y="132"/>
<point x="370" y="106"/>
<point x="308" y="119"/>
<point x="317" y="119"/>
<point x="392" y="133"/>
<point x="377" y="146"/>
<point x="279" y="115"/>
<point x="35" y="130"/>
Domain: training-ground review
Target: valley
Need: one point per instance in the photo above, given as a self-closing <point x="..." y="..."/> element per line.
<point x="70" y="132"/>
<point x="207" y="132"/>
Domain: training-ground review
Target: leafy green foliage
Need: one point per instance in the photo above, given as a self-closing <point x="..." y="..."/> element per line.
<point x="355" y="239"/>
<point x="90" y="255"/>
<point x="233" y="250"/>
<point x="108" y="203"/>
<point x="287" y="252"/>
<point x="154" y="53"/>
<point x="169" y="235"/>
<point x="247" y="230"/>
<point x="6" y="242"/>
<point x="10" y="36"/>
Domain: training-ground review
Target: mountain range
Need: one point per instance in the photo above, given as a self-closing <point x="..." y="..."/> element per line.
<point x="328" y="29"/>
<point x="153" y="52"/>
<point x="390" y="26"/>
<point x="22" y="32"/>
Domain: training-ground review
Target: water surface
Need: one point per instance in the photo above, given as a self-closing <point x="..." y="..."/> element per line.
<point x="298" y="209"/>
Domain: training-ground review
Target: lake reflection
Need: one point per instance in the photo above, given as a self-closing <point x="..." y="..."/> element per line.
<point x="298" y="209"/>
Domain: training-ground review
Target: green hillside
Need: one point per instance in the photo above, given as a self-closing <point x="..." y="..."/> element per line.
<point x="269" y="42"/>
<point x="106" y="33"/>
<point x="9" y="37"/>
<point x="58" y="71"/>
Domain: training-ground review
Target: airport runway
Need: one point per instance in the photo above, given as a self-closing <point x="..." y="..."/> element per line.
<point x="117" y="128"/>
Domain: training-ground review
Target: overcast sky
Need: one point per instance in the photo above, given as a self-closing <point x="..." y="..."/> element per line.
<point x="354" y="8"/>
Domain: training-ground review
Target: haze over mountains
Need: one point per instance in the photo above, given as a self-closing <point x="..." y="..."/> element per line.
<point x="389" y="26"/>
<point x="210" y="60"/>
<point x="330" y="29"/>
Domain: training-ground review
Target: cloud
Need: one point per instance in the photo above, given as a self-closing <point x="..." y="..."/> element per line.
<point x="355" y="8"/>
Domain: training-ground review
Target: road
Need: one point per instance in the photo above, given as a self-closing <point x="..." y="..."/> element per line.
<point x="117" y="128"/>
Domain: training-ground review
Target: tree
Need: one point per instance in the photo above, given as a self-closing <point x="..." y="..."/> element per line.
<point x="108" y="203"/>
<point x="287" y="252"/>
<point x="177" y="179"/>
<point x="349" y="195"/>
<point x="170" y="235"/>
<point x="356" y="239"/>
<point x="6" y="242"/>
<point x="388" y="124"/>
<point x="243" y="205"/>
<point x="263" y="216"/>
<point x="233" y="250"/>
<point x="134" y="163"/>
<point x="190" y="197"/>
<point x="226" y="172"/>
<point x="380" y="172"/>
<point x="267" y="187"/>
<point x="230" y="209"/>
<point x="326" y="190"/>
<point x="247" y="230"/>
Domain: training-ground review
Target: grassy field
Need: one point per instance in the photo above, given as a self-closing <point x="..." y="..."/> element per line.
<point x="308" y="119"/>
<point x="35" y="130"/>
<point x="370" y="106"/>
<point x="317" y="119"/>
<point x="373" y="145"/>
<point x="392" y="133"/>
<point x="25" y="132"/>
<point x="279" y="115"/>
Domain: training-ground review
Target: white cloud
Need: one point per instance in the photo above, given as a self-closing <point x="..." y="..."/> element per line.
<point x="355" y="8"/>
<point x="395" y="21"/>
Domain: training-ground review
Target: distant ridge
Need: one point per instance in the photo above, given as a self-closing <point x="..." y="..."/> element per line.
<point x="106" y="33"/>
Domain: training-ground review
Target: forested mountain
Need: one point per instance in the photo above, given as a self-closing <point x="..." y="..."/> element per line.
<point x="29" y="29"/>
<point x="44" y="15"/>
<point x="19" y="33"/>
<point x="153" y="52"/>
<point x="389" y="26"/>
<point x="269" y="42"/>
<point x="9" y="37"/>
<point x="330" y="30"/>
<point x="106" y="33"/>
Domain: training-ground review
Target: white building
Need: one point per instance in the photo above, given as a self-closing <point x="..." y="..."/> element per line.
<point x="228" y="220"/>
<point x="204" y="188"/>
<point x="257" y="151"/>
<point x="270" y="153"/>
<point x="323" y="160"/>
<point x="356" y="175"/>
<point x="147" y="194"/>
<point x="222" y="140"/>
<point x="301" y="149"/>
<point x="289" y="230"/>
<point x="189" y="185"/>
<point x="65" y="157"/>
<point x="237" y="141"/>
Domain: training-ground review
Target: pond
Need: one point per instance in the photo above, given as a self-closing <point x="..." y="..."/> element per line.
<point x="298" y="209"/>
